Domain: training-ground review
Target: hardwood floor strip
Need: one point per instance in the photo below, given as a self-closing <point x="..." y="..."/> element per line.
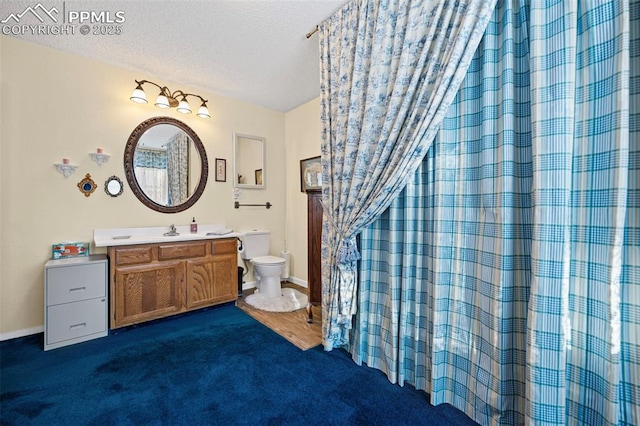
<point x="292" y="326"/>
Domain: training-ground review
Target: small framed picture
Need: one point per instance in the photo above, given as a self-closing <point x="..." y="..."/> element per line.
<point x="310" y="174"/>
<point x="221" y="170"/>
<point x="259" y="177"/>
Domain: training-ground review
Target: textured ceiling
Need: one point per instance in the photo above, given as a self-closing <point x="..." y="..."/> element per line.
<point x="255" y="51"/>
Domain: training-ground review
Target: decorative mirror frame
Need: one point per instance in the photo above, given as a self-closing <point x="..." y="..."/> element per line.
<point x="113" y="179"/>
<point x="130" y="149"/>
<point x="87" y="185"/>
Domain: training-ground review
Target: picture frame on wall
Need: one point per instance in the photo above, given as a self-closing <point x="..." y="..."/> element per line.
<point x="310" y="174"/>
<point x="221" y="170"/>
<point x="259" y="177"/>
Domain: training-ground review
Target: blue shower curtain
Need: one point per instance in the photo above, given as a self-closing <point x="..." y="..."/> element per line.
<point x="505" y="279"/>
<point x="389" y="71"/>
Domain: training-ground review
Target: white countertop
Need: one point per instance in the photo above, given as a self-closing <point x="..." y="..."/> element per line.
<point x="145" y="235"/>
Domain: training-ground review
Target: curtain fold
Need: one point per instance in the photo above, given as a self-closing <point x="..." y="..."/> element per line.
<point x="580" y="139"/>
<point x="178" y="169"/>
<point x="466" y="221"/>
<point x="389" y="70"/>
<point x="505" y="279"/>
<point x="150" y="168"/>
<point x="629" y="386"/>
<point x="153" y="182"/>
<point x="393" y="327"/>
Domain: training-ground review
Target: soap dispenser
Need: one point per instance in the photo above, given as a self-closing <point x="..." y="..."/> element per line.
<point x="194" y="226"/>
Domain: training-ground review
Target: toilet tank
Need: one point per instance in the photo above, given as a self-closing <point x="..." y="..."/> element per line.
<point x="255" y="243"/>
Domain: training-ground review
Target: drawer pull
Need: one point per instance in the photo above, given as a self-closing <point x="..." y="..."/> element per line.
<point x="82" y="324"/>
<point x="71" y="290"/>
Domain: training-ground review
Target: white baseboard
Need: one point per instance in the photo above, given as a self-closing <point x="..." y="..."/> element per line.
<point x="248" y="285"/>
<point x="252" y="284"/>
<point x="21" y="333"/>
<point x="301" y="283"/>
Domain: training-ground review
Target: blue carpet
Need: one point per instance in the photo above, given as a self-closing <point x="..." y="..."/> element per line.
<point x="217" y="366"/>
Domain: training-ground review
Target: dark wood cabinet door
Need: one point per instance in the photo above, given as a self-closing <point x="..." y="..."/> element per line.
<point x="147" y="292"/>
<point x="211" y="280"/>
<point x="314" y="245"/>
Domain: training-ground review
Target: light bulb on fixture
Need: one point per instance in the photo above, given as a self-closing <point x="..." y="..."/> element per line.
<point x="184" y="107"/>
<point x="162" y="101"/>
<point x="203" y="111"/>
<point x="168" y="99"/>
<point x="138" y="95"/>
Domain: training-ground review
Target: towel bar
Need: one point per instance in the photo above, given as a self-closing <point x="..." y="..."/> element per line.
<point x="237" y="205"/>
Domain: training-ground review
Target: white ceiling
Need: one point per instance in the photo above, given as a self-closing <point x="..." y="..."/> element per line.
<point x="252" y="50"/>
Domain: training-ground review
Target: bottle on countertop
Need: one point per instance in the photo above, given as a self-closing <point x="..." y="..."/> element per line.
<point x="194" y="226"/>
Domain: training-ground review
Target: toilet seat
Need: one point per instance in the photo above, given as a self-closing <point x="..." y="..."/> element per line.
<point x="268" y="260"/>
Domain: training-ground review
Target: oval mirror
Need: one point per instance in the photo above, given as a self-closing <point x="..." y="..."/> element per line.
<point x="113" y="186"/>
<point x="166" y="164"/>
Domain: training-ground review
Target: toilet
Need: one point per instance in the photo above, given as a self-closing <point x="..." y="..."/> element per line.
<point x="266" y="269"/>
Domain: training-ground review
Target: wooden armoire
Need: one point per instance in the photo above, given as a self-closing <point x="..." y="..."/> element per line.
<point x="314" y="244"/>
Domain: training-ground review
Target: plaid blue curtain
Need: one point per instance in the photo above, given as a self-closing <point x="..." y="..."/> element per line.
<point x="505" y="279"/>
<point x="389" y="70"/>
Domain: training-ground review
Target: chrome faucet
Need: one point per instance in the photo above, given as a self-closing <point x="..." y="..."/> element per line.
<point x="172" y="231"/>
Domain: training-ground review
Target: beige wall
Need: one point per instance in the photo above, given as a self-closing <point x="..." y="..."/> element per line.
<point x="303" y="141"/>
<point x="56" y="105"/>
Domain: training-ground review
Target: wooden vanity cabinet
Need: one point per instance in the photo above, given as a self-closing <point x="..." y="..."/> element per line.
<point x="151" y="281"/>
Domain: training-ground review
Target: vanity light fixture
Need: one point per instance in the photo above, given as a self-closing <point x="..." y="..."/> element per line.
<point x="168" y="99"/>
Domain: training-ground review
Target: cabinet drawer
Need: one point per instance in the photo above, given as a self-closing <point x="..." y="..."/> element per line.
<point x="72" y="320"/>
<point x="80" y="282"/>
<point x="182" y="251"/>
<point x="224" y="246"/>
<point x="134" y="255"/>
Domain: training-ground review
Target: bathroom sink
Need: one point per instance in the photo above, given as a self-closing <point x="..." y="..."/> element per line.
<point x="172" y="232"/>
<point x="156" y="234"/>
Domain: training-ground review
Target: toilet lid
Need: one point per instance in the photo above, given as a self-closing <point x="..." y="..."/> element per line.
<point x="268" y="260"/>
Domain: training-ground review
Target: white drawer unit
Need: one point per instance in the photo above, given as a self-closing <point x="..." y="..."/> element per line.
<point x="75" y="295"/>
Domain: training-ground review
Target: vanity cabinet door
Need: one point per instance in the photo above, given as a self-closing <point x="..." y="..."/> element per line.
<point x="211" y="280"/>
<point x="146" y="292"/>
